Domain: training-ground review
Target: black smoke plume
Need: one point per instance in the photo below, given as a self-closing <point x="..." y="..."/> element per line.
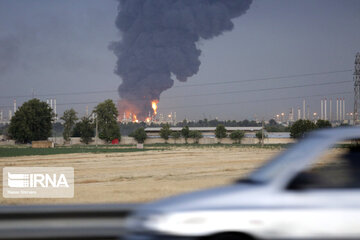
<point x="158" y="43"/>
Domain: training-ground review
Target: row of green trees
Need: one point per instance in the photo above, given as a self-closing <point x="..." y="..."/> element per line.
<point x="220" y="133"/>
<point x="105" y="122"/>
<point x="33" y="121"/>
<point x="299" y="128"/>
<point x="272" y="126"/>
<point x="165" y="132"/>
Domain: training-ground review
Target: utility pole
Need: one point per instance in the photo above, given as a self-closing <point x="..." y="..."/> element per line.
<point x="96" y="130"/>
<point x="356" y="89"/>
<point x="262" y="134"/>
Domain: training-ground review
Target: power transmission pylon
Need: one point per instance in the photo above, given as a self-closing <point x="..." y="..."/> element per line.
<point x="357" y="89"/>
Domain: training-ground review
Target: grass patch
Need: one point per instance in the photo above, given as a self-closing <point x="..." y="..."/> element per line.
<point x="28" y="151"/>
<point x="220" y="145"/>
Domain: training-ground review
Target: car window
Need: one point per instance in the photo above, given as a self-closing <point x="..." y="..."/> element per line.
<point x="339" y="167"/>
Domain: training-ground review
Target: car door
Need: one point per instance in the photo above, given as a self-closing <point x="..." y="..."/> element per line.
<point x="323" y="201"/>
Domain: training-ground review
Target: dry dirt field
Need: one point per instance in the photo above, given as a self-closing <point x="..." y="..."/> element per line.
<point x="145" y="176"/>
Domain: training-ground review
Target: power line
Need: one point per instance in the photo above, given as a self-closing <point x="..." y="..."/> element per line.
<point x="267" y="78"/>
<point x="188" y="85"/>
<point x="259" y="90"/>
<point x="230" y="92"/>
<point x="259" y="100"/>
<point x="60" y="94"/>
<point x="219" y="104"/>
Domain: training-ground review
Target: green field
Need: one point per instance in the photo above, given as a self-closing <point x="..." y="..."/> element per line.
<point x="11" y="151"/>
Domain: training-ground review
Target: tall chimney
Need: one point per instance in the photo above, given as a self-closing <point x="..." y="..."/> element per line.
<point x="304" y="109"/>
<point x="87" y="111"/>
<point x="55" y="109"/>
<point x="14" y="105"/>
<point x="322" y="110"/>
<point x="325" y="115"/>
<point x="340" y="109"/>
<point x="299" y="114"/>
<point x="337" y="109"/>
<point x="308" y="112"/>
<point x="330" y="109"/>
<point x="51" y="103"/>
<point x="10" y="115"/>
<point x="1" y="115"/>
<point x="344" y="111"/>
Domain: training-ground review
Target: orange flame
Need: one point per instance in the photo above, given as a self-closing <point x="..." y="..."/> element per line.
<point x="154" y="105"/>
<point x="135" y="118"/>
<point x="148" y="119"/>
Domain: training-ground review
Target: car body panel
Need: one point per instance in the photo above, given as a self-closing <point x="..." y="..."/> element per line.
<point x="263" y="206"/>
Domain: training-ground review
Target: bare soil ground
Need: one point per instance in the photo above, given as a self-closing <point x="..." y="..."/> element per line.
<point x="145" y="176"/>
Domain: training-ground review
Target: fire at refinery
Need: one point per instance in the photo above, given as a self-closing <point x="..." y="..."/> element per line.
<point x="154" y="106"/>
<point x="128" y="112"/>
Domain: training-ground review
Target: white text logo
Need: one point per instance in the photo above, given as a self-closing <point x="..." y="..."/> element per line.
<point x="38" y="182"/>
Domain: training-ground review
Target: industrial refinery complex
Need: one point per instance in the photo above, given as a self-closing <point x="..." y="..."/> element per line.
<point x="334" y="109"/>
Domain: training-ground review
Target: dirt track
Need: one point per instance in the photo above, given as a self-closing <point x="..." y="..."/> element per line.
<point x="145" y="176"/>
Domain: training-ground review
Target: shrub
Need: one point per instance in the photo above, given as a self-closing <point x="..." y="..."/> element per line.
<point x="323" y="124"/>
<point x="237" y="136"/>
<point x="300" y="127"/>
<point x="196" y="135"/>
<point x="139" y="135"/>
<point x="175" y="135"/>
<point x="165" y="132"/>
<point x="259" y="135"/>
<point x="185" y="132"/>
<point x="220" y="132"/>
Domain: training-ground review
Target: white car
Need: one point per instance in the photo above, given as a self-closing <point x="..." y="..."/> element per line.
<point x="291" y="197"/>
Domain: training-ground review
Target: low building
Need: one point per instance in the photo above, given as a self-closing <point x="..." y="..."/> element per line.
<point x="207" y="132"/>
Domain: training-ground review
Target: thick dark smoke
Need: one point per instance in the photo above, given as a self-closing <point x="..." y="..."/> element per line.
<point x="9" y="49"/>
<point x="159" y="42"/>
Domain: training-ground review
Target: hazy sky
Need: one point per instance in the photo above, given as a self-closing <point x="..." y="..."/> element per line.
<point x="62" y="47"/>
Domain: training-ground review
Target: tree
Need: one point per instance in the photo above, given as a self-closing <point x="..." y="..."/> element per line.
<point x="185" y="132"/>
<point x="260" y="135"/>
<point x="139" y="135"/>
<point x="86" y="128"/>
<point x="165" y="132"/>
<point x="237" y="136"/>
<point x="76" y="130"/>
<point x="107" y="121"/>
<point x="220" y="132"/>
<point x="69" y="119"/>
<point x="323" y="124"/>
<point x="175" y="135"/>
<point x="196" y="135"/>
<point x="300" y="127"/>
<point x="272" y="122"/>
<point x="31" y="122"/>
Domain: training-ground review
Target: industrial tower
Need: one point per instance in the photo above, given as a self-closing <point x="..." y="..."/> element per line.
<point x="357" y="88"/>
